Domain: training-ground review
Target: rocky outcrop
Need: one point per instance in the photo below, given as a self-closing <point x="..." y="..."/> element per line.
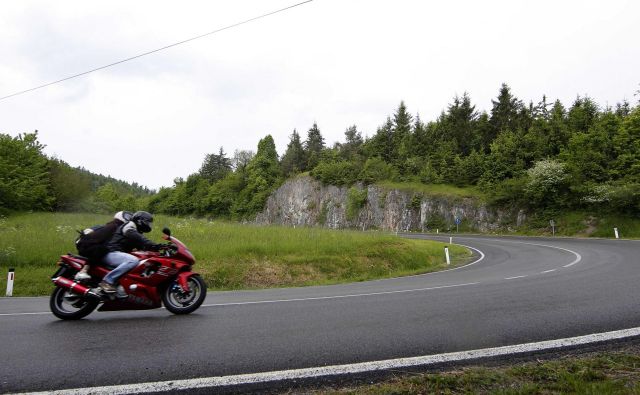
<point x="304" y="201"/>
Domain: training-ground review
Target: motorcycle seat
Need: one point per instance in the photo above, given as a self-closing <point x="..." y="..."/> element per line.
<point x="78" y="256"/>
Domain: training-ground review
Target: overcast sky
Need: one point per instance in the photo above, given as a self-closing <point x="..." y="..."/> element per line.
<point x="334" y="62"/>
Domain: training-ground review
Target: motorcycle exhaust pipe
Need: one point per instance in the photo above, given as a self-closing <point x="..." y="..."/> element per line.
<point x="74" y="287"/>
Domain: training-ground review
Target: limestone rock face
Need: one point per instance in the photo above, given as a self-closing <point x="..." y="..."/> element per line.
<point x="304" y="201"/>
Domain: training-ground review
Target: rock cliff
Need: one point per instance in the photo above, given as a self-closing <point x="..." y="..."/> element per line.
<point x="304" y="201"/>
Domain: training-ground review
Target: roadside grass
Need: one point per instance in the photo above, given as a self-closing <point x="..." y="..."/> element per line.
<point x="602" y="373"/>
<point x="584" y="224"/>
<point x="435" y="190"/>
<point x="229" y="255"/>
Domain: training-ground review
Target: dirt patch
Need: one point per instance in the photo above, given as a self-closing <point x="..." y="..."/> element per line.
<point x="266" y="274"/>
<point x="591" y="224"/>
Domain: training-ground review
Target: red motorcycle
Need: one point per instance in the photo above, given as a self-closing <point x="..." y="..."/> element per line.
<point x="161" y="278"/>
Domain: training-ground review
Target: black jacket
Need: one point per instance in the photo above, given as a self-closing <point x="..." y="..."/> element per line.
<point x="127" y="238"/>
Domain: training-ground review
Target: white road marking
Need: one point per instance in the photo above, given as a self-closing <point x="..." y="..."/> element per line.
<point x="513" y="278"/>
<point x="548" y="271"/>
<point x="36" y="313"/>
<point x="220" y="381"/>
<point x="339" y="296"/>
<point x="440" y="271"/>
<point x="578" y="256"/>
<point x="303" y="299"/>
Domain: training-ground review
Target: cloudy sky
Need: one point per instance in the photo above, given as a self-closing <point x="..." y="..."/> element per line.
<point x="334" y="62"/>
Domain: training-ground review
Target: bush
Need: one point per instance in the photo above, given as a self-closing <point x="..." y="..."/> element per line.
<point x="547" y="183"/>
<point x="335" y="173"/>
<point x="356" y="200"/>
<point x="376" y="169"/>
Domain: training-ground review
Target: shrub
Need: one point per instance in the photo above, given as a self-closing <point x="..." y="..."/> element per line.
<point x="376" y="169"/>
<point x="335" y="173"/>
<point x="356" y="200"/>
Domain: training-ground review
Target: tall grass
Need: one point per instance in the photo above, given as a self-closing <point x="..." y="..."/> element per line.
<point x="435" y="190"/>
<point x="229" y="255"/>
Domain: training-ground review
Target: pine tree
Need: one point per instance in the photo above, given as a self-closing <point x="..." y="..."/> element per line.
<point x="582" y="114"/>
<point x="460" y="123"/>
<point x="401" y="133"/>
<point x="215" y="166"/>
<point x="294" y="159"/>
<point x="505" y="111"/>
<point x="313" y="146"/>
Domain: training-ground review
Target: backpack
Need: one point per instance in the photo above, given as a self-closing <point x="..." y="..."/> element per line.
<point x="92" y="242"/>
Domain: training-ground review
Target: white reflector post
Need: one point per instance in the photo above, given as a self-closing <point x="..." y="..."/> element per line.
<point x="10" y="279"/>
<point x="615" y="231"/>
<point x="446" y="255"/>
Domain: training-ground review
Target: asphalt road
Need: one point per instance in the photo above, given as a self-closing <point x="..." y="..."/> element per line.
<point x="522" y="290"/>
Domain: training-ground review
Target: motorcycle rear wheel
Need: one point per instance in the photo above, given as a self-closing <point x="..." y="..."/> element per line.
<point x="62" y="308"/>
<point x="179" y="302"/>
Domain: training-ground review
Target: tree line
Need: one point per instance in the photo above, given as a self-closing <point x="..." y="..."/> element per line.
<point x="29" y="180"/>
<point x="542" y="156"/>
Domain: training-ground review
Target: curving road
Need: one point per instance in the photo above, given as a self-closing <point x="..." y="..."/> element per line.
<point x="519" y="290"/>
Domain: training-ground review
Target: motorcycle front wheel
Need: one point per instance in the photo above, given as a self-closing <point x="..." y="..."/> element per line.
<point x="69" y="306"/>
<point x="179" y="302"/>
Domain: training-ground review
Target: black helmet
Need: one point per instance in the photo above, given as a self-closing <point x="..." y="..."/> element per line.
<point x="143" y="221"/>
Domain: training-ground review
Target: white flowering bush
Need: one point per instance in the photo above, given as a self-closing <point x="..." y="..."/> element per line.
<point x="546" y="183"/>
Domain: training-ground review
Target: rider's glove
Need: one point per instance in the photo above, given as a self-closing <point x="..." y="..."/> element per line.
<point x="158" y="247"/>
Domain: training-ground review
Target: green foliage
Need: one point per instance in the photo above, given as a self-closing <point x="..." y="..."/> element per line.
<point x="313" y="146"/>
<point x="499" y="152"/>
<point x="376" y="169"/>
<point x="356" y="200"/>
<point x="24" y="174"/>
<point x="215" y="166"/>
<point x="294" y="160"/>
<point x="340" y="172"/>
<point x="262" y="177"/>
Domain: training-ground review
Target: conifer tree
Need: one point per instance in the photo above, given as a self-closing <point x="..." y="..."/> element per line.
<point x="215" y="166"/>
<point x="294" y="159"/>
<point x="504" y="114"/>
<point x="313" y="146"/>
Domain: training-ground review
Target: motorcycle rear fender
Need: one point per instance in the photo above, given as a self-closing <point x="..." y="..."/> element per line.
<point x="183" y="280"/>
<point x="74" y="262"/>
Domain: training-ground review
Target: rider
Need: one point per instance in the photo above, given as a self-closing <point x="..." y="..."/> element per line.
<point x="128" y="236"/>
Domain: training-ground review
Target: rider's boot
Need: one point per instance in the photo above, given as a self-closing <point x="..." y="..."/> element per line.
<point x="83" y="274"/>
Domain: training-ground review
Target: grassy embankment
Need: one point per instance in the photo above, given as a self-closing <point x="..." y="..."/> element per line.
<point x="601" y="373"/>
<point x="435" y="190"/>
<point x="230" y="256"/>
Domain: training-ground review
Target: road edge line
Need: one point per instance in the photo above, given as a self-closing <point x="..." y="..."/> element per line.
<point x="363" y="367"/>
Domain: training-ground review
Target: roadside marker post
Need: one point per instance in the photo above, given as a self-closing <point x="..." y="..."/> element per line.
<point x="615" y="230"/>
<point x="446" y="255"/>
<point x="10" y="279"/>
<point x="450" y="240"/>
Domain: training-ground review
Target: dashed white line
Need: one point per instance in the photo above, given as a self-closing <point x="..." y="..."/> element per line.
<point x="303" y="299"/>
<point x="35" y="313"/>
<point x="548" y="271"/>
<point x="513" y="278"/>
<point x="243" y="379"/>
<point x="339" y="296"/>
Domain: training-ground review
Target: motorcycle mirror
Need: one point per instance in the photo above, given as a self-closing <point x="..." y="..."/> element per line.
<point x="166" y="231"/>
